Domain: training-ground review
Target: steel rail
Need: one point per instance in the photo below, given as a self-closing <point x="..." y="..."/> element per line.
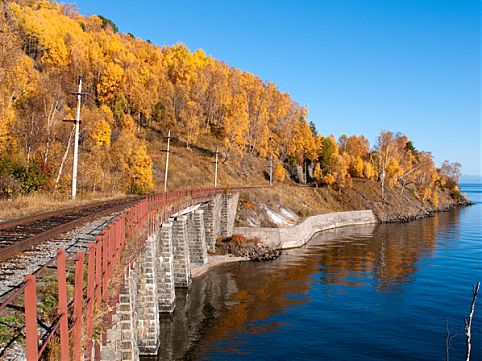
<point x="20" y="246"/>
<point x="17" y="247"/>
<point x="57" y="212"/>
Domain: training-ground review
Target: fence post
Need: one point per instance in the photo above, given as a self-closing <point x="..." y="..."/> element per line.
<point x="105" y="252"/>
<point x="117" y="242"/>
<point x="110" y="240"/>
<point x="98" y="266"/>
<point x="30" y="304"/>
<point x="121" y="236"/>
<point x="62" y="306"/>
<point x="89" y="315"/>
<point x="78" y="304"/>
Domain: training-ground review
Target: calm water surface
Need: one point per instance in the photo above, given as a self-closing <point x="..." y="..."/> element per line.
<point x="382" y="292"/>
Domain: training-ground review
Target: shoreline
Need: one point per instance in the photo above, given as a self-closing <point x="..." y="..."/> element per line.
<point x="198" y="270"/>
<point x="425" y="212"/>
<point x="324" y="222"/>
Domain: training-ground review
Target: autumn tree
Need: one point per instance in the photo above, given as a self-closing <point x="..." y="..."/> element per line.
<point x="279" y="173"/>
<point x="385" y="152"/>
<point x="131" y="161"/>
<point x="318" y="174"/>
<point x="450" y="173"/>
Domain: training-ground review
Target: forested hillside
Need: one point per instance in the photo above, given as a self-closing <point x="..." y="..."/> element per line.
<point x="139" y="91"/>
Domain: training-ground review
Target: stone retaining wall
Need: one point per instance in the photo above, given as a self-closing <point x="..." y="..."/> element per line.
<point x="298" y="235"/>
<point x="148" y="288"/>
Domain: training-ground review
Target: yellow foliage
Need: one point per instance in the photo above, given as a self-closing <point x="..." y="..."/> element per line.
<point x="356" y="167"/>
<point x="329" y="179"/>
<point x="50" y="29"/>
<point x="435" y="200"/>
<point x="355" y="145"/>
<point x="109" y="82"/>
<point x="427" y="194"/>
<point x="340" y="168"/>
<point x="328" y="151"/>
<point x="235" y="127"/>
<point x="191" y="123"/>
<point x="318" y="173"/>
<point x="7" y="140"/>
<point x="368" y="171"/>
<point x="135" y="165"/>
<point x="101" y="133"/>
<point x="279" y="173"/>
<point x="393" y="168"/>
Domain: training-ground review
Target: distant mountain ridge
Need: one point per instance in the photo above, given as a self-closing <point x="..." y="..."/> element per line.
<point x="470" y="178"/>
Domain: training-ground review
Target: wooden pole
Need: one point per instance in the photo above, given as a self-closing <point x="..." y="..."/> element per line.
<point x="76" y="141"/>
<point x="216" y="170"/>
<point x="271" y="170"/>
<point x="167" y="160"/>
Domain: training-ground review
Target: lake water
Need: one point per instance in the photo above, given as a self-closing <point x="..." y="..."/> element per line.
<point x="384" y="292"/>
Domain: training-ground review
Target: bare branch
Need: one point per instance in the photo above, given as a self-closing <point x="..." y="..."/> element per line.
<point x="64" y="158"/>
<point x="448" y="340"/>
<point x="468" y="322"/>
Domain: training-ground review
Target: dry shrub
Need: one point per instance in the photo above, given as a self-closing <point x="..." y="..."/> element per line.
<point x="249" y="205"/>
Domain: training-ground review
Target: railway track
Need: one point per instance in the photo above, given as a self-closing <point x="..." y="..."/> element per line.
<point x="22" y="234"/>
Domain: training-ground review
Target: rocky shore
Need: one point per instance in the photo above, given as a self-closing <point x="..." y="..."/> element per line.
<point x="252" y="248"/>
<point x="406" y="217"/>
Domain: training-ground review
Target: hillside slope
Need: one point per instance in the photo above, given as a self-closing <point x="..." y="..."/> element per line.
<point x="284" y="205"/>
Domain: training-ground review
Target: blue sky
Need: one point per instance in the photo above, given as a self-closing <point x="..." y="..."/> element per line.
<point x="358" y="65"/>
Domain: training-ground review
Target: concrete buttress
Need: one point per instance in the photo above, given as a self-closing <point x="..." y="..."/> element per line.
<point x="180" y="243"/>
<point x="165" y="276"/>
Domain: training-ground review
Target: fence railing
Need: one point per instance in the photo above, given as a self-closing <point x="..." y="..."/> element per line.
<point x="93" y="271"/>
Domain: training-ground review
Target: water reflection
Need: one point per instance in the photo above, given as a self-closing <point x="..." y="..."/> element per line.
<point x="245" y="298"/>
<point x="387" y="258"/>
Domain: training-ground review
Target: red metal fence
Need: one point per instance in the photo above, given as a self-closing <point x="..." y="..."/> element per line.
<point x="74" y="325"/>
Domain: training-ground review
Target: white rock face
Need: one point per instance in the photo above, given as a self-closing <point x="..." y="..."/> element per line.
<point x="283" y="218"/>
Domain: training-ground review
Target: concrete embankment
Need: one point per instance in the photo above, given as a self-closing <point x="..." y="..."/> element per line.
<point x="299" y="234"/>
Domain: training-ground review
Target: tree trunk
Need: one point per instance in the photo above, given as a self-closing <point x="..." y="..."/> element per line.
<point x="64" y="158"/>
<point x="50" y="122"/>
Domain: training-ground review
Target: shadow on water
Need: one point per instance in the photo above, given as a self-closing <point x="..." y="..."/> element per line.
<point x="235" y="304"/>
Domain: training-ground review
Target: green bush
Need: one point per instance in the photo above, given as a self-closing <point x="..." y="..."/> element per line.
<point x="17" y="177"/>
<point x="9" y="186"/>
<point x="31" y="177"/>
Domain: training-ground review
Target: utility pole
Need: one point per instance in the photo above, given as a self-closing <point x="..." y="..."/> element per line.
<point x="76" y="122"/>
<point x="167" y="160"/>
<point x="216" y="170"/>
<point x="270" y="141"/>
<point x="271" y="170"/>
